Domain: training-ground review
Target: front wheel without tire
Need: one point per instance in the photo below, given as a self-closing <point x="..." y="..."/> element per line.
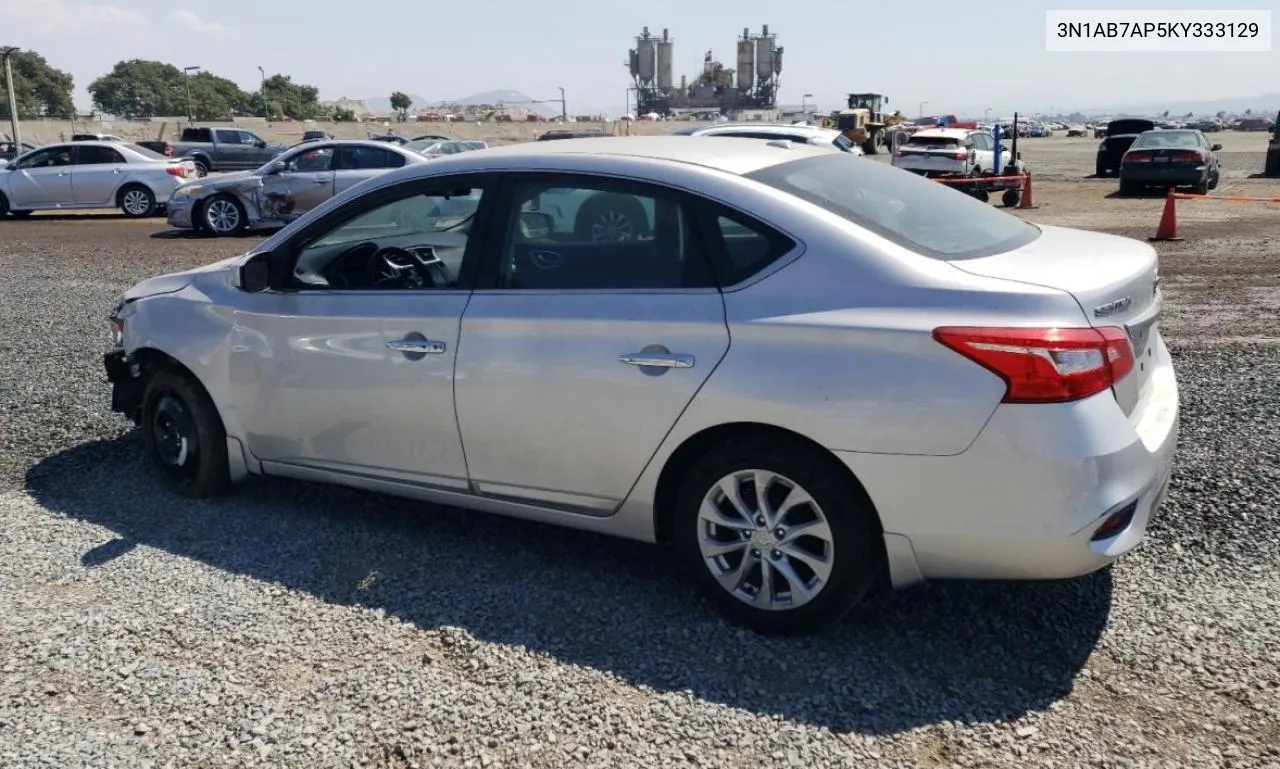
<point x="776" y="537"/>
<point x="183" y="436"/>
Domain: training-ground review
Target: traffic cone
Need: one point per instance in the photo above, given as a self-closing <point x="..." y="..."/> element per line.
<point x="1168" y="227"/>
<point x="1028" y="198"/>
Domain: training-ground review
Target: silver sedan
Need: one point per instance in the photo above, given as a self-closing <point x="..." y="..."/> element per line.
<point x="283" y="189"/>
<point x="810" y="374"/>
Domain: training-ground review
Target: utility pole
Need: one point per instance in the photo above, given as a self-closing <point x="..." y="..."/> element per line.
<point x="921" y="113"/>
<point x="8" y="53"/>
<point x="564" y="110"/>
<point x="262" y="91"/>
<point x="186" y="72"/>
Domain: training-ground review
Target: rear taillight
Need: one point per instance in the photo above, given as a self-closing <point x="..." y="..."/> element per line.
<point x="898" y="154"/>
<point x="1135" y="157"/>
<point x="1186" y="157"/>
<point x="168" y="151"/>
<point x="178" y="171"/>
<point x="1046" y="365"/>
<point x="960" y="155"/>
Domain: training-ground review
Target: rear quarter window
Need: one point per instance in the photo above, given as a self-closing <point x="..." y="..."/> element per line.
<point x="924" y="216"/>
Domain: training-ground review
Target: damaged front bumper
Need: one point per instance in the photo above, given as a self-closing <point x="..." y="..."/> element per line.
<point x="127" y="384"/>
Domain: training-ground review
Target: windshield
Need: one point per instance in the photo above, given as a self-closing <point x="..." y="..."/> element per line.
<point x="1167" y="139"/>
<point x="922" y="215"/>
<point x="413" y="216"/>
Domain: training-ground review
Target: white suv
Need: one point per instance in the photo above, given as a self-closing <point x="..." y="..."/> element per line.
<point x="950" y="152"/>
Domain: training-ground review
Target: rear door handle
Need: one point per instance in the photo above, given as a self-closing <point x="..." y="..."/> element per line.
<point x="657" y="360"/>
<point x="427" y="346"/>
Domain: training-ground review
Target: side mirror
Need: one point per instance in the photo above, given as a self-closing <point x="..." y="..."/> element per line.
<point x="277" y="167"/>
<point x="260" y="144"/>
<point x="536" y="224"/>
<point x="1216" y="147"/>
<point x="255" y="274"/>
<point x="11" y="166"/>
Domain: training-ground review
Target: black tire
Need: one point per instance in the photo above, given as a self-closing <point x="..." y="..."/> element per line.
<point x="4" y="205"/>
<point x="1213" y="180"/>
<point x="217" y="214"/>
<point x="857" y="541"/>
<point x="1101" y="170"/>
<point x="610" y="216"/>
<point x="981" y="196"/>
<point x="1009" y="198"/>
<point x="1201" y="189"/>
<point x="896" y="140"/>
<point x="1129" y="189"/>
<point x="202" y="167"/>
<point x="136" y="201"/>
<point x="190" y="458"/>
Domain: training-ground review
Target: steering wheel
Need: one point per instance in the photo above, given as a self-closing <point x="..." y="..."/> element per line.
<point x="395" y="267"/>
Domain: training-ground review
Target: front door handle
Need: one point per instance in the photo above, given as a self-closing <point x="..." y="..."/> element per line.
<point x="322" y="181"/>
<point x="423" y="346"/>
<point x="657" y="360"/>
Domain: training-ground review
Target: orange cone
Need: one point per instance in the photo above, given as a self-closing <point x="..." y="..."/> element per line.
<point x="1028" y="198"/>
<point x="1168" y="227"/>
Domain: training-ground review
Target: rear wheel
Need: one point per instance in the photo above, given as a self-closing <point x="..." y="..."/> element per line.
<point x="136" y="201"/>
<point x="1101" y="170"/>
<point x="4" y="205"/>
<point x="202" y="168"/>
<point x="183" y="435"/>
<point x="1202" y="188"/>
<point x="1128" y="189"/>
<point x="776" y="536"/>
<point x="1009" y="198"/>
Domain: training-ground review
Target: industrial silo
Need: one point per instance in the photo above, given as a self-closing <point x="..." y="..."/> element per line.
<point x="646" y="50"/>
<point x="746" y="61"/>
<point x="777" y="62"/>
<point x="666" y="67"/>
<point x="764" y="54"/>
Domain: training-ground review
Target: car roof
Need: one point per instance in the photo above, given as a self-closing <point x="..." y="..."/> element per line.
<point x="781" y="128"/>
<point x="946" y="133"/>
<point x="722" y="153"/>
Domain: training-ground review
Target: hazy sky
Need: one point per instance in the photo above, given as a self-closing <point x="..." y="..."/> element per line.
<point x="942" y="52"/>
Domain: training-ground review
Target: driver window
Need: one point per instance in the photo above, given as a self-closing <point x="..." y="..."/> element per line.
<point x="414" y="242"/>
<point x="54" y="156"/>
<point x="311" y="161"/>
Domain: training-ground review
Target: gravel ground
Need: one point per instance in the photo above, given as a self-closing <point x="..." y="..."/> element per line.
<point x="295" y="625"/>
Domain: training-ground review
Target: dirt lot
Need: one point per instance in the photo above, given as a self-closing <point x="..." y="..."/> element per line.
<point x="293" y="625"/>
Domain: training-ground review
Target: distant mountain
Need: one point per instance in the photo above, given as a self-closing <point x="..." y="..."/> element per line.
<point x="508" y="97"/>
<point x="1264" y="105"/>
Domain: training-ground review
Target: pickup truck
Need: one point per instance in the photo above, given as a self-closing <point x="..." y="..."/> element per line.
<point x="223" y="149"/>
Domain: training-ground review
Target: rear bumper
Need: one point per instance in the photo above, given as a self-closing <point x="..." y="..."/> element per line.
<point x="1027" y="498"/>
<point x="1156" y="175"/>
<point x="933" y="170"/>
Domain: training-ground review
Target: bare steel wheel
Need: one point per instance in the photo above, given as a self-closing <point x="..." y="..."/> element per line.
<point x="765" y="540"/>
<point x="777" y="533"/>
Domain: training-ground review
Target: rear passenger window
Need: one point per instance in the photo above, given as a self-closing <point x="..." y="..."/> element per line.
<point x="749" y="248"/>
<point x="601" y="234"/>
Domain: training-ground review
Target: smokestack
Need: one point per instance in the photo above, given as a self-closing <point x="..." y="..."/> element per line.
<point x="664" y="35"/>
<point x="766" y="31"/>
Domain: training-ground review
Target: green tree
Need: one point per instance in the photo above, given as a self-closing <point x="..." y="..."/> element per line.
<point x="343" y="115"/>
<point x="215" y="98"/>
<point x="285" y="98"/>
<point x="141" y="88"/>
<point x="400" y="102"/>
<point x="39" y="89"/>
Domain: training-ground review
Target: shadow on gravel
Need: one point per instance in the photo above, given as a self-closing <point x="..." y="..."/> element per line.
<point x="946" y="652"/>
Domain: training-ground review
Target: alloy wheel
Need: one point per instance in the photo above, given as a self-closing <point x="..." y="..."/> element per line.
<point x="765" y="540"/>
<point x="222" y="216"/>
<point x="135" y="202"/>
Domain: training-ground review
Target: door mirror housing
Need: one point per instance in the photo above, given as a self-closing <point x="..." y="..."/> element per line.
<point x="1216" y="147"/>
<point x="277" y="167"/>
<point x="12" y="165"/>
<point x="255" y="274"/>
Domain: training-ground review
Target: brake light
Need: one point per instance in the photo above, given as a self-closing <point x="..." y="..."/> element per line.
<point x="178" y="171"/>
<point x="898" y="154"/>
<point x="1046" y="365"/>
<point x="960" y="155"/>
<point x="168" y="151"/>
<point x="1131" y="158"/>
<point x="1190" y="156"/>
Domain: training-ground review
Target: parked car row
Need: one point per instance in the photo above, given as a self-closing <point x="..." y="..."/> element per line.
<point x="1143" y="154"/>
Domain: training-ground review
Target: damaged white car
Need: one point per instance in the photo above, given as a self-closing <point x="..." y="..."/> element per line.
<point x="280" y="191"/>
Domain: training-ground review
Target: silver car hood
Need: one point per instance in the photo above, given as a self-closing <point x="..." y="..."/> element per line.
<point x="174" y="281"/>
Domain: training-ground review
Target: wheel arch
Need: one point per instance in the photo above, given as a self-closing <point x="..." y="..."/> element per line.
<point x="123" y="188"/>
<point x="151" y="360"/>
<point x="682" y="459"/>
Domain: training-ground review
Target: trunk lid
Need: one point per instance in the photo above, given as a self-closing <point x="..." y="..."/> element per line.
<point x="1113" y="279"/>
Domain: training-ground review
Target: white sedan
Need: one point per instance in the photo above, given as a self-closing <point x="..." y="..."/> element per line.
<point x="810" y="374"/>
<point x="91" y="174"/>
